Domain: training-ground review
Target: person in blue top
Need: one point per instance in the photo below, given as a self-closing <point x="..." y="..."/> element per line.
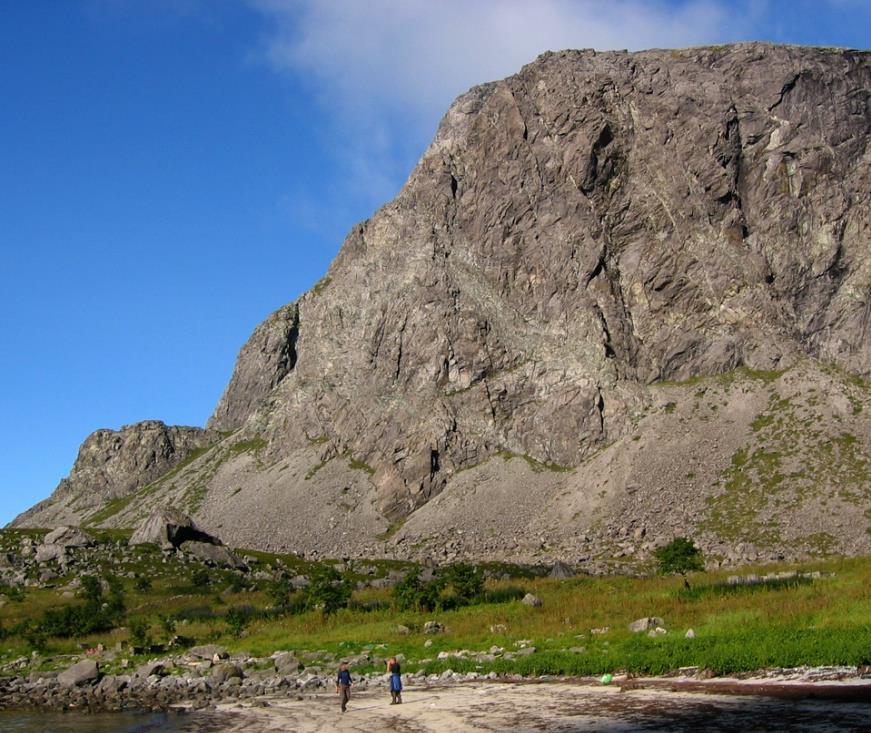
<point x="343" y="684"/>
<point x="395" y="681"/>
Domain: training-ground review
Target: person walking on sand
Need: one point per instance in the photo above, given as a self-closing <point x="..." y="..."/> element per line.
<point x="395" y="681"/>
<point x="343" y="684"/>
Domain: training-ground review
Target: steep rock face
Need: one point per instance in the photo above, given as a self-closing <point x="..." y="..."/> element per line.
<point x="267" y="357"/>
<point x="112" y="464"/>
<point x="518" y="357"/>
<point x="593" y="224"/>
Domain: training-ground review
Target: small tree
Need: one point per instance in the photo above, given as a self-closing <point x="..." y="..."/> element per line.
<point x="467" y="582"/>
<point x="237" y="618"/>
<point x="91" y="590"/>
<point x="115" y="604"/>
<point x="138" y="629"/>
<point x="279" y="592"/>
<point x="679" y="556"/>
<point x="327" y="590"/>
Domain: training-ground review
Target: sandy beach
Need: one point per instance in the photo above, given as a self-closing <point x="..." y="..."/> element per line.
<point x="559" y="706"/>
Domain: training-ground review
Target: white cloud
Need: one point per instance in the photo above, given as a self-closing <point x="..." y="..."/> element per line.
<point x="388" y="69"/>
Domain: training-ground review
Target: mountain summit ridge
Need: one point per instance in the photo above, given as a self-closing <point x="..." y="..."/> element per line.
<point x="575" y="235"/>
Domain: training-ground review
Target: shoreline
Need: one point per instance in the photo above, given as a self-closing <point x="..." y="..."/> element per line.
<point x="185" y="694"/>
<point x="552" y="705"/>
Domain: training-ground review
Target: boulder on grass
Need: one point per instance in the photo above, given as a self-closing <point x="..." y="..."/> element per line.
<point x="212" y="554"/>
<point x="648" y="623"/>
<point x="167" y="528"/>
<point x="531" y="600"/>
<point x="79" y="674"/>
<point x="68" y="537"/>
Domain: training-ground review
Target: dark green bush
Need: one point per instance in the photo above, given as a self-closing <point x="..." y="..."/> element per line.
<point x="466" y="581"/>
<point x="328" y="591"/>
<point x="413" y="593"/>
<point x="679" y="556"/>
<point x="237" y="618"/>
<point x="138" y="629"/>
<point x="76" y="620"/>
<point x="278" y="592"/>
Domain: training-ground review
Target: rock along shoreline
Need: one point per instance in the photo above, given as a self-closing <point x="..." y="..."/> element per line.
<point x="206" y="677"/>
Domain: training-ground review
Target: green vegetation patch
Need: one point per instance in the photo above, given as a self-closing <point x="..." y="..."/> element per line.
<point x="787" y="463"/>
<point x="253" y="445"/>
<point x="536" y="465"/>
<point x="321" y="285"/>
<point x="356" y="465"/>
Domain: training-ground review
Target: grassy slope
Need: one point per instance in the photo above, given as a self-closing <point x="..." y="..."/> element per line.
<point x="826" y="621"/>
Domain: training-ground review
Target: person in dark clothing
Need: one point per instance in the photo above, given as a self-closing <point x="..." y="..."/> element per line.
<point x="343" y="684"/>
<point x="395" y="681"/>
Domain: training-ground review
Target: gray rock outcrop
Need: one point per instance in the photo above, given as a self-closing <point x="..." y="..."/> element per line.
<point x="112" y="464"/>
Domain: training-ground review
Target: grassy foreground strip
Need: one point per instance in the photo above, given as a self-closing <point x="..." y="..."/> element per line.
<point x="581" y="627"/>
<point x="826" y="621"/>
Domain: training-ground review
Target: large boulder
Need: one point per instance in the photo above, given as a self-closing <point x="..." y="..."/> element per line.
<point x="168" y="528"/>
<point x="68" y="537"/>
<point x="79" y="674"/>
<point x="47" y="553"/>
<point x="56" y="543"/>
<point x="213" y="554"/>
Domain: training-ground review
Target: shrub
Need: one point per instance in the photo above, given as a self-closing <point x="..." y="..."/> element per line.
<point x="327" y="590"/>
<point x="466" y="581"/>
<point x="237" y="618"/>
<point x="236" y="584"/>
<point x="91" y="589"/>
<point x="78" y="620"/>
<point x="679" y="556"/>
<point x="412" y="593"/>
<point x="142" y="583"/>
<point x="279" y="592"/>
<point x="138" y="631"/>
<point x="115" y="602"/>
<point x="406" y="593"/>
<point x="167" y="623"/>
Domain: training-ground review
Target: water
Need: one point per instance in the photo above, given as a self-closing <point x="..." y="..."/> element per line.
<point x="35" y="722"/>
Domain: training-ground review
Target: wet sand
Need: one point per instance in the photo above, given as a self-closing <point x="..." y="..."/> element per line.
<point x="561" y="707"/>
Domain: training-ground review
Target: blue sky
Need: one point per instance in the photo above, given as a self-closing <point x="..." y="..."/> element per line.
<point x="173" y="170"/>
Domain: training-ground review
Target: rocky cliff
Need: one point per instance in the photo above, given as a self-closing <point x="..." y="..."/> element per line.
<point x="579" y="240"/>
<point x="114" y="464"/>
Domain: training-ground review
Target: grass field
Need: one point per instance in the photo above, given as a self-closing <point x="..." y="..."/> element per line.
<point x="580" y="628"/>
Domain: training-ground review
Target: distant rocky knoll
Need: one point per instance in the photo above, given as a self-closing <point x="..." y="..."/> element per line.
<point x="622" y="296"/>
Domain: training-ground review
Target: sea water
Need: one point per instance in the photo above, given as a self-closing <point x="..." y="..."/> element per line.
<point x="75" y="722"/>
